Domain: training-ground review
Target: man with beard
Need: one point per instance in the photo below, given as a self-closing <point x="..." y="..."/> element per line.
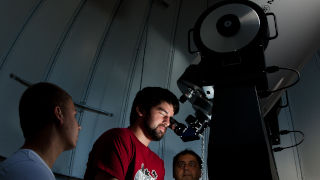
<point x="123" y="153"/>
<point x="187" y="165"/>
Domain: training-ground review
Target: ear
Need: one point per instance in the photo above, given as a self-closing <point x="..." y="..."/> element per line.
<point x="139" y="111"/>
<point x="58" y="114"/>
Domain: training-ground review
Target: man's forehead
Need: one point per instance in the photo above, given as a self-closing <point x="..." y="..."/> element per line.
<point x="187" y="157"/>
<point x="166" y="107"/>
<point x="186" y="161"/>
<point x="162" y="109"/>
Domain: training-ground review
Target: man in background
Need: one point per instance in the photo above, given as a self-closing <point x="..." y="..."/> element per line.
<point x="187" y="165"/>
<point x="47" y="119"/>
<point x="123" y="153"/>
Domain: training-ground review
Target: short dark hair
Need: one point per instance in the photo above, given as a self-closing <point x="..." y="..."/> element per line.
<point x="152" y="96"/>
<point x="184" y="152"/>
<point x="36" y="107"/>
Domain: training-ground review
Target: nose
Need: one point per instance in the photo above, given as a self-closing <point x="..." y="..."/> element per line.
<point x="166" y="121"/>
<point x="79" y="127"/>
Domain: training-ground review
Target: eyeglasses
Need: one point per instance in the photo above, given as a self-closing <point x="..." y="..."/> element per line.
<point x="182" y="164"/>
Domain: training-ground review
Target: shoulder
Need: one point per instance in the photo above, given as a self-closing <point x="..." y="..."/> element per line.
<point x="122" y="133"/>
<point x="115" y="136"/>
<point x="119" y="131"/>
<point x="19" y="166"/>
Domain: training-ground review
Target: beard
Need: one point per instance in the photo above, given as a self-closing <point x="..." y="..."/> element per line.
<point x="154" y="133"/>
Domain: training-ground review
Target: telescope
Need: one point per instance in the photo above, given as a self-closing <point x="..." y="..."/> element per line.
<point x="232" y="87"/>
<point x="231" y="37"/>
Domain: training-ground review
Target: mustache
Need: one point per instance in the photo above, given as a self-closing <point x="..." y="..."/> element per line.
<point x="163" y="125"/>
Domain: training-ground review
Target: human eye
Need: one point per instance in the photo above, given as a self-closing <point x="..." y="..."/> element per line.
<point x="181" y="164"/>
<point x="162" y="113"/>
<point x="192" y="164"/>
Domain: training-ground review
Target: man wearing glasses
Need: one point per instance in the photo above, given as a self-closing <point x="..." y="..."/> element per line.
<point x="187" y="165"/>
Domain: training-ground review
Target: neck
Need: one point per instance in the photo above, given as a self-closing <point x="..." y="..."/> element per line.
<point x="138" y="131"/>
<point x="47" y="147"/>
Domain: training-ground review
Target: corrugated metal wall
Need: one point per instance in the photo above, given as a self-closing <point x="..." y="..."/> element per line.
<point x="102" y="53"/>
<point x="304" y="101"/>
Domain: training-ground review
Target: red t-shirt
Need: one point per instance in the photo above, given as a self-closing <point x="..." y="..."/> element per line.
<point x="119" y="153"/>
